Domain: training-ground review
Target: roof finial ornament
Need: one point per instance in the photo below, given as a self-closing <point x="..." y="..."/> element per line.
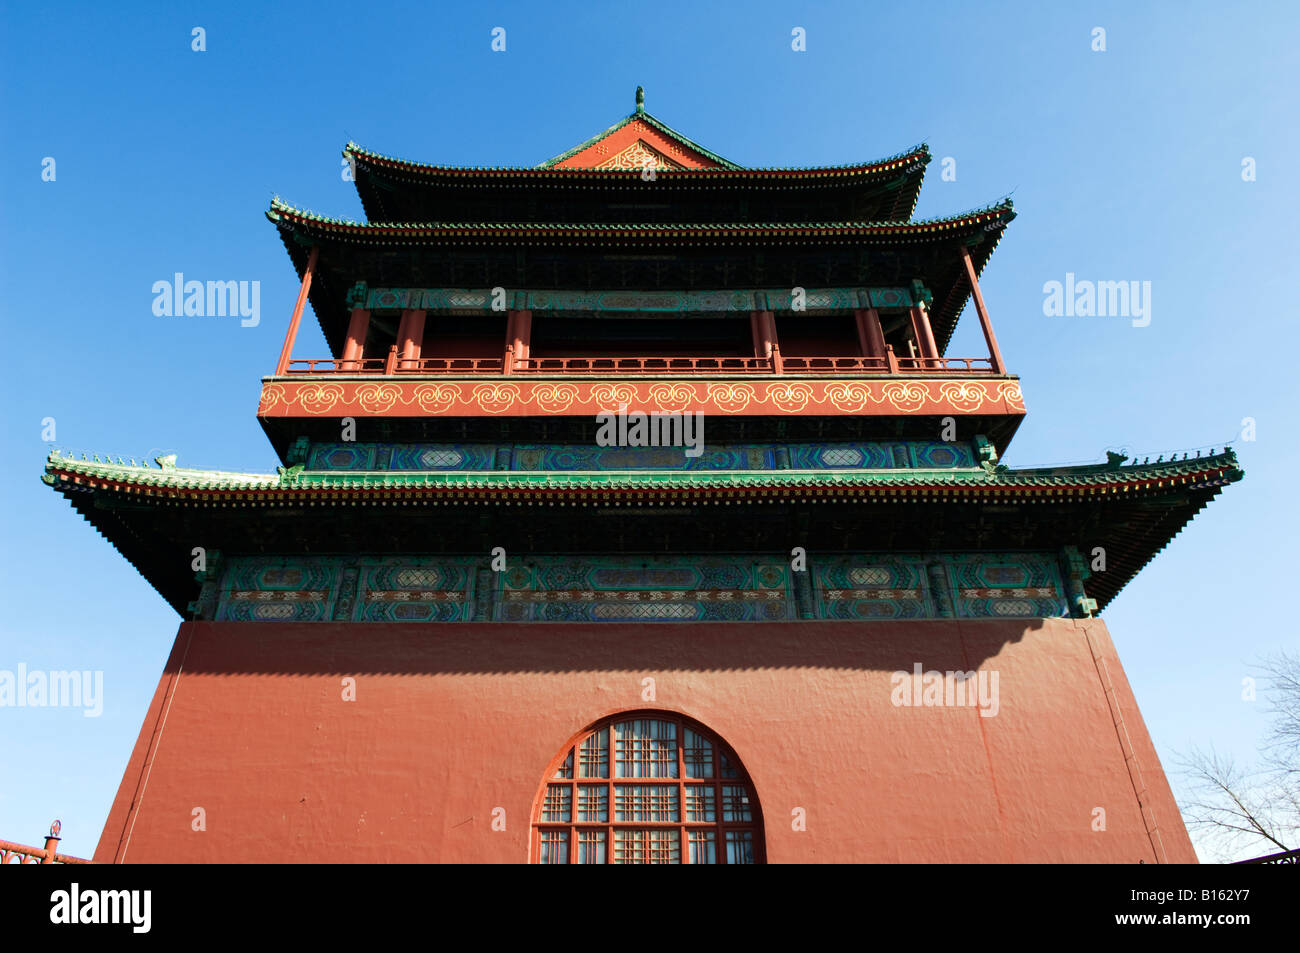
<point x="640" y="99"/>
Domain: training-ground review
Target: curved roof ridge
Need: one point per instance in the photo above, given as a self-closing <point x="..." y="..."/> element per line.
<point x="1119" y="466"/>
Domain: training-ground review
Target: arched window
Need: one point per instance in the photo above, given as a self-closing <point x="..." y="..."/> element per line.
<point x="647" y="787"/>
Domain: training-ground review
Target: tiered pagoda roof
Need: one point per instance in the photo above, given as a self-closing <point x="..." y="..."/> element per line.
<point x="593" y="182"/>
<point x="643" y="213"/>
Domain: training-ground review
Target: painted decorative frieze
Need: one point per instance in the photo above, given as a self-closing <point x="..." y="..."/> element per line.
<point x="644" y="588"/>
<point x="482" y="300"/>
<point x="756" y="397"/>
<point x="883" y="455"/>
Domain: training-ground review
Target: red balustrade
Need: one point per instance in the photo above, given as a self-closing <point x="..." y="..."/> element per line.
<point x="615" y="366"/>
<point x="969" y="365"/>
<point x="822" y="365"/>
<point x="417" y="365"/>
<point x="17" y="854"/>
<point x="336" y="365"/>
<point x="643" y="365"/>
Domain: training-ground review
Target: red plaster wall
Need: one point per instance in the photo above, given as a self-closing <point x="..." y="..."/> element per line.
<point x="451" y="721"/>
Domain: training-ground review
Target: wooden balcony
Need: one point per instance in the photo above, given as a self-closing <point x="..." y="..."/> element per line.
<point x="656" y="366"/>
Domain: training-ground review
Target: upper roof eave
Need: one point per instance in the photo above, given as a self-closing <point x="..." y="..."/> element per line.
<point x="729" y="171"/>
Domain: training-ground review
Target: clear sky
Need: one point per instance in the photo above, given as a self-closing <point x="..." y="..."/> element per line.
<point x="1124" y="164"/>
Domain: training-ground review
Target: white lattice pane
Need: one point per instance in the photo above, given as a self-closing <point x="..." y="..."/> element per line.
<point x="593" y="803"/>
<point x="697" y="755"/>
<point x="703" y="847"/>
<point x="591" y="847"/>
<point x="593" y="756"/>
<point x="554" y="847"/>
<point x="645" y="748"/>
<point x="646" y="802"/>
<point x="735" y="803"/>
<point x="555" y="810"/>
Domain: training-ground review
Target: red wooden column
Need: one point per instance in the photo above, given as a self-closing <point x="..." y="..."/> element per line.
<point x="282" y="365"/>
<point x="354" y="345"/>
<point x="508" y="355"/>
<point x="771" y="347"/>
<point x="995" y="355"/>
<point x="871" y="337"/>
<point x="864" y="345"/>
<point x="923" y="333"/>
<point x="410" y="337"/>
<point x="756" y="330"/>
<point x="520" y="329"/>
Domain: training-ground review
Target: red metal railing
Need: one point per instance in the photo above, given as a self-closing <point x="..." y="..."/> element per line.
<point x="11" y="853"/>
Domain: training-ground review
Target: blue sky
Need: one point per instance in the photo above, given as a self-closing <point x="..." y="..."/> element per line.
<point x="1124" y="165"/>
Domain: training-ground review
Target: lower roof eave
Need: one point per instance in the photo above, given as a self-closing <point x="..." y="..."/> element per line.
<point x="153" y="517"/>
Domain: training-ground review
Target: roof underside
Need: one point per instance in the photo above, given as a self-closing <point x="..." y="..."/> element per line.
<point x="154" y="516"/>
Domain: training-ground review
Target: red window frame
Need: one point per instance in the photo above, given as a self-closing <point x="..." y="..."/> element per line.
<point x="714" y="783"/>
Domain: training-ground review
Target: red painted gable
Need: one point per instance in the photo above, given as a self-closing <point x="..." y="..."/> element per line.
<point x="669" y="151"/>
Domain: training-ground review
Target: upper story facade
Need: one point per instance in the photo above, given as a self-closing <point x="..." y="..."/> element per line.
<point x="640" y="270"/>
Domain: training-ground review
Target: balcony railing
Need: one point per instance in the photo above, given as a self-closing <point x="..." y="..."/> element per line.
<point x="396" y="365"/>
<point x="17" y="854"/>
<point x="618" y="366"/>
<point x="643" y="365"/>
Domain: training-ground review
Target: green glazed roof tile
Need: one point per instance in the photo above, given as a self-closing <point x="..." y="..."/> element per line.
<point x="59" y="467"/>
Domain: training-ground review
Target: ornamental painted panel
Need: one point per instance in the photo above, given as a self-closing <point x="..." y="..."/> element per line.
<point x="1028" y="584"/>
<point x="298" y="589"/>
<point x="471" y="300"/>
<point x="874" y="586"/>
<point x="639" y="587"/>
<point x="639" y="155"/>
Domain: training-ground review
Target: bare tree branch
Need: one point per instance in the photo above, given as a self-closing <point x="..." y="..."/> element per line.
<point x="1234" y="809"/>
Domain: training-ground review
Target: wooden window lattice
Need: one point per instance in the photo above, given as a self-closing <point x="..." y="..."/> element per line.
<point x="674" y="795"/>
